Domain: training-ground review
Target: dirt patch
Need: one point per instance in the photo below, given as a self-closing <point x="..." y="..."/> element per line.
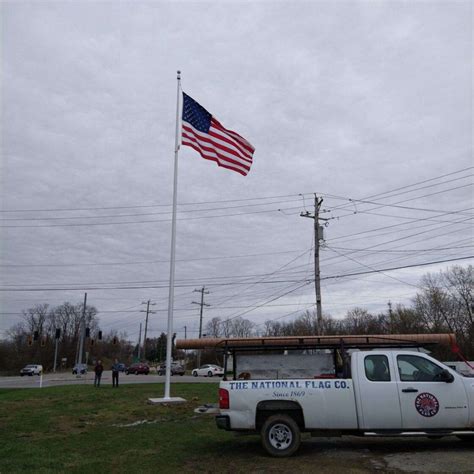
<point x="244" y="454"/>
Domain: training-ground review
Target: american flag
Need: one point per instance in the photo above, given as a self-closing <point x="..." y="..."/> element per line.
<point x="201" y="131"/>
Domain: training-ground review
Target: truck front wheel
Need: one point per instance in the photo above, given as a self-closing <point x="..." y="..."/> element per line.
<point x="281" y="435"/>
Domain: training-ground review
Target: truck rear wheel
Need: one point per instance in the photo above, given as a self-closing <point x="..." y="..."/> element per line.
<point x="281" y="435"/>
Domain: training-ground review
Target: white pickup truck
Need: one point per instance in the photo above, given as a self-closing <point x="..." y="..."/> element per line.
<point x="386" y="393"/>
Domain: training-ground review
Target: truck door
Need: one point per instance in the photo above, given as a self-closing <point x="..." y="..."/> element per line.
<point x="378" y="404"/>
<point x="426" y="401"/>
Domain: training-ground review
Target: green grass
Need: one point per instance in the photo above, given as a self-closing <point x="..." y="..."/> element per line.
<point x="84" y="429"/>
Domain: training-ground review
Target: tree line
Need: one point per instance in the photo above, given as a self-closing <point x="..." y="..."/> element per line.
<point x="443" y="303"/>
<point x="33" y="340"/>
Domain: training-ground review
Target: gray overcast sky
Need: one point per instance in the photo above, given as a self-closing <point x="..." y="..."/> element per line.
<point x="365" y="100"/>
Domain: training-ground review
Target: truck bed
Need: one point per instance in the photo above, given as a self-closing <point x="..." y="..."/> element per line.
<point x="318" y="398"/>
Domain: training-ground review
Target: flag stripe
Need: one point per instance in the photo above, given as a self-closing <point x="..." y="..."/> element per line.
<point x="241" y="140"/>
<point x="224" y="140"/>
<point x="218" y="141"/>
<point x="221" y="163"/>
<point x="213" y="152"/>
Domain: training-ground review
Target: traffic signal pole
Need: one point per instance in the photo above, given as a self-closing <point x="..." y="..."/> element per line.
<point x="83" y="330"/>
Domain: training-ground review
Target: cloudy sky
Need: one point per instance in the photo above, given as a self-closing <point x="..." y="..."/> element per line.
<point x="368" y="104"/>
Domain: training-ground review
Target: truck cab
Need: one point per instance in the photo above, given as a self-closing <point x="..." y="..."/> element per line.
<point x="407" y="390"/>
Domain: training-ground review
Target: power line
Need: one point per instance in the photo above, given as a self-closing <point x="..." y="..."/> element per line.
<point x="409" y="236"/>
<point x="372" y="268"/>
<point x="151" y="205"/>
<point x="397" y="268"/>
<point x="93" y="224"/>
<point x="222" y="257"/>
<point x="141" y="206"/>
<point x="142" y="214"/>
<point x="434" y="249"/>
<point x="345" y="237"/>
<point x="234" y="282"/>
<point x="402" y="187"/>
<point x="279" y="269"/>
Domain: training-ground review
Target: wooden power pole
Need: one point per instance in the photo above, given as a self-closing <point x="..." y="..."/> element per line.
<point x="148" y="303"/>
<point x="317" y="275"/>
<point x="202" y="304"/>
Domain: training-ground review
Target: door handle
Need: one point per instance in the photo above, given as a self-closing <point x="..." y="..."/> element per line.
<point x="410" y="390"/>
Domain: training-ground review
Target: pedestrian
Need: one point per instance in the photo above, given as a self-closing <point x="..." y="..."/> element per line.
<point x="98" y="369"/>
<point x="115" y="373"/>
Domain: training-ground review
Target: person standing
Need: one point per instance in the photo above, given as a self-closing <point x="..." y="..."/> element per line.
<point x="115" y="373"/>
<point x="98" y="369"/>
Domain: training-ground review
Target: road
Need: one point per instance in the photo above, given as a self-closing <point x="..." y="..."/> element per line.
<point x="52" y="380"/>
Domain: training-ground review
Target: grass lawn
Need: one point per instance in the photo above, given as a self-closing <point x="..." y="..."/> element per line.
<point x="84" y="429"/>
<point x="89" y="430"/>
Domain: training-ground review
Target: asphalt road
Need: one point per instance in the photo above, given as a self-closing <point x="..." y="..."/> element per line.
<point x="52" y="380"/>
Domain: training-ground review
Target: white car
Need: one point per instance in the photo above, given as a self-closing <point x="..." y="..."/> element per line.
<point x="208" y="370"/>
<point x="31" y="369"/>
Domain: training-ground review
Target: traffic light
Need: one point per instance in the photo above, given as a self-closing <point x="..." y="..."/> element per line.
<point x="88" y="332"/>
<point x="35" y="336"/>
<point x="58" y="333"/>
<point x="100" y="335"/>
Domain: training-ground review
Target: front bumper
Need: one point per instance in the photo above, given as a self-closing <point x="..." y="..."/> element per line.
<point x="223" y="422"/>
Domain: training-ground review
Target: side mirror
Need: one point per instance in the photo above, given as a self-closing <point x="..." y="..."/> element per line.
<point x="446" y="376"/>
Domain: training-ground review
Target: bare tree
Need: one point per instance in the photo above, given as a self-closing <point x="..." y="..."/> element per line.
<point x="35" y="319"/>
<point x="226" y="328"/>
<point x="242" y="327"/>
<point x="214" y="327"/>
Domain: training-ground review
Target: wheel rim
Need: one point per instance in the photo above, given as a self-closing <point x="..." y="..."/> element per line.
<point x="280" y="436"/>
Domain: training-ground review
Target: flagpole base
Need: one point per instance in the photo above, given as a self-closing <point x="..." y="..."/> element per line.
<point x="166" y="400"/>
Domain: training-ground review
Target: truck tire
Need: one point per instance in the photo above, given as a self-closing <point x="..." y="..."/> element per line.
<point x="281" y="435"/>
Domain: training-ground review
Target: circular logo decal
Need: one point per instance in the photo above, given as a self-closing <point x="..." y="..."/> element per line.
<point x="426" y="404"/>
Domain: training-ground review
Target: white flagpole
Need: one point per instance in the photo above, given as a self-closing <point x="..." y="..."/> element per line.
<point x="169" y="338"/>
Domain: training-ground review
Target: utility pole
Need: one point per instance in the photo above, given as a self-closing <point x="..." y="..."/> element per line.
<point x="318" y="236"/>
<point x="185" y="353"/>
<point x="148" y="303"/>
<point x="390" y="313"/>
<point x="202" y="304"/>
<point x="56" y="337"/>
<point x="139" y="341"/>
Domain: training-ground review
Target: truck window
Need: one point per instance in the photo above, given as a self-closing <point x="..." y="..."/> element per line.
<point x="376" y="368"/>
<point x="413" y="368"/>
